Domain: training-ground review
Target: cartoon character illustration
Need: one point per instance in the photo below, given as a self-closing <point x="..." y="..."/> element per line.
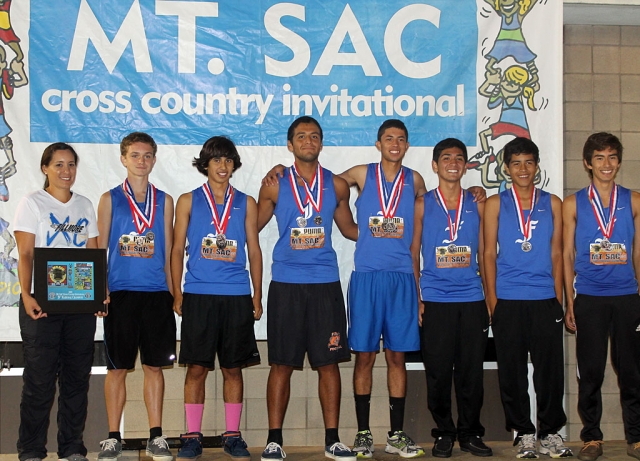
<point x="510" y="41"/>
<point x="12" y="75"/>
<point x="510" y="91"/>
<point x="9" y="286"/>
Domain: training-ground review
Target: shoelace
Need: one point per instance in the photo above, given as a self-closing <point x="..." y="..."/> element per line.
<point x="528" y="442"/>
<point x="555" y="439"/>
<point x="593" y="443"/>
<point x="636" y="445"/>
<point x="274" y="447"/>
<point x="109" y="444"/>
<point x="161" y="441"/>
<point x="338" y="446"/>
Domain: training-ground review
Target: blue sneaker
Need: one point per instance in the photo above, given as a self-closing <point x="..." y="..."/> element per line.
<point x="339" y="451"/>
<point x="191" y="446"/>
<point x="273" y="452"/>
<point x="235" y="446"/>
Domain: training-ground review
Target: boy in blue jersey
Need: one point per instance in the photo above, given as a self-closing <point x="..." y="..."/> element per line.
<point x="453" y="312"/>
<point x="136" y="225"/>
<point x="217" y="308"/>
<point x="523" y="283"/>
<point x="601" y="259"/>
<point x="305" y="307"/>
<point x="382" y="295"/>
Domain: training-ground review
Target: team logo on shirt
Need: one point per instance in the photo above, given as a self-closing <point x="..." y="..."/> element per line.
<point x="334" y="342"/>
<point x="73" y="234"/>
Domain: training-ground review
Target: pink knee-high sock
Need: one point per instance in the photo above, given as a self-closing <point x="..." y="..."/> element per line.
<point x="194" y="416"/>
<point x="232" y="413"/>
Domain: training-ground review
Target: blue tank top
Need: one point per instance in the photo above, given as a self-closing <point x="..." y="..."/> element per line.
<point x="130" y="266"/>
<point x="212" y="270"/>
<point x="450" y="276"/>
<point x="313" y="265"/>
<point x="605" y="280"/>
<point x="525" y="275"/>
<point x="383" y="253"/>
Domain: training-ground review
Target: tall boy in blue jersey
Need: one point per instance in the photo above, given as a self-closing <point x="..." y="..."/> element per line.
<point x="136" y="225"/>
<point x="453" y="314"/>
<point x="602" y="255"/>
<point x="382" y="294"/>
<point x="217" y="309"/>
<point x="524" y="294"/>
<point x="305" y="307"/>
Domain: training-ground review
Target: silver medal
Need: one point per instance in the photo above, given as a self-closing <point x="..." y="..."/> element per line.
<point x="150" y="236"/>
<point x="221" y="241"/>
<point x="605" y="244"/>
<point x="526" y="246"/>
<point x="301" y="221"/>
<point x="452" y="248"/>
<point x="317" y="220"/>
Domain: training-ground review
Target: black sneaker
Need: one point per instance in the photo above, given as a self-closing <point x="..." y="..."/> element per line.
<point x="475" y="446"/>
<point x="443" y="447"/>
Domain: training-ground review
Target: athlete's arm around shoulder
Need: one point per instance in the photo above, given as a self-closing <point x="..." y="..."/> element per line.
<point x="490" y="230"/>
<point x="168" y="238"/>
<point x="267" y="199"/>
<point x="355" y="176"/>
<point x="416" y="244"/>
<point x="556" y="247"/>
<point x="183" y="216"/>
<point x="635" y="205"/>
<point x="104" y="219"/>
<point x="418" y="184"/>
<point x="342" y="216"/>
<point x="569" y="256"/>
<point x="255" y="255"/>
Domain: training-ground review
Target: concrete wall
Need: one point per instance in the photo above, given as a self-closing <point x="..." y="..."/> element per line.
<point x="601" y="93"/>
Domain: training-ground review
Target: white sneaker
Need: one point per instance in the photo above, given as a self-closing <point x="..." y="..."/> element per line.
<point x="553" y="445"/>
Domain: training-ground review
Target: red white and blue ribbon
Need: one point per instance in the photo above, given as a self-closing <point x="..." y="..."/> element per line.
<point x="142" y="219"/>
<point x="220" y="222"/>
<point x="525" y="225"/>
<point x="606" y="227"/>
<point x="389" y="200"/>
<point x="454" y="225"/>
<point x="313" y="192"/>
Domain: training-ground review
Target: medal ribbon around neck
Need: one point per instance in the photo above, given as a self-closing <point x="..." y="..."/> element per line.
<point x="220" y="223"/>
<point x="606" y="227"/>
<point x="525" y="227"/>
<point x="389" y="200"/>
<point x="316" y="185"/>
<point x="142" y="219"/>
<point x="453" y="225"/>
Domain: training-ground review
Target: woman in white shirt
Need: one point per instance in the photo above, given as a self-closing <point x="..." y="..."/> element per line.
<point x="57" y="347"/>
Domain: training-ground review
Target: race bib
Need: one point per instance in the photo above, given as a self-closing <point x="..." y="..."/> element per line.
<point x="210" y="249"/>
<point x="137" y="246"/>
<point x="306" y="238"/>
<point x="390" y="228"/>
<point x="453" y="256"/>
<point x="604" y="254"/>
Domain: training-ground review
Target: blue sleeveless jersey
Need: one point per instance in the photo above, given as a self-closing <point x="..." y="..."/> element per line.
<point x="525" y="275"/>
<point x="130" y="272"/>
<point x="314" y="265"/>
<point x="449" y="284"/>
<point x="607" y="280"/>
<point x="384" y="254"/>
<point x="210" y="270"/>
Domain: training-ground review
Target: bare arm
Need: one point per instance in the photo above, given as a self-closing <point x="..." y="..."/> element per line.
<point x="416" y="244"/>
<point x="255" y="255"/>
<point x="569" y="257"/>
<point x="355" y="176"/>
<point x="556" y="247"/>
<point x="481" y="248"/>
<point x="635" y="205"/>
<point x="168" y="238"/>
<point x="183" y="216"/>
<point x="26" y="244"/>
<point x="271" y="178"/>
<point x="267" y="199"/>
<point x="491" y="214"/>
<point x="418" y="184"/>
<point x="342" y="216"/>
<point x="479" y="193"/>
<point x="104" y="220"/>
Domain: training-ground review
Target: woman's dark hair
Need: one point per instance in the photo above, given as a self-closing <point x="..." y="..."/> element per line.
<point x="47" y="155"/>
